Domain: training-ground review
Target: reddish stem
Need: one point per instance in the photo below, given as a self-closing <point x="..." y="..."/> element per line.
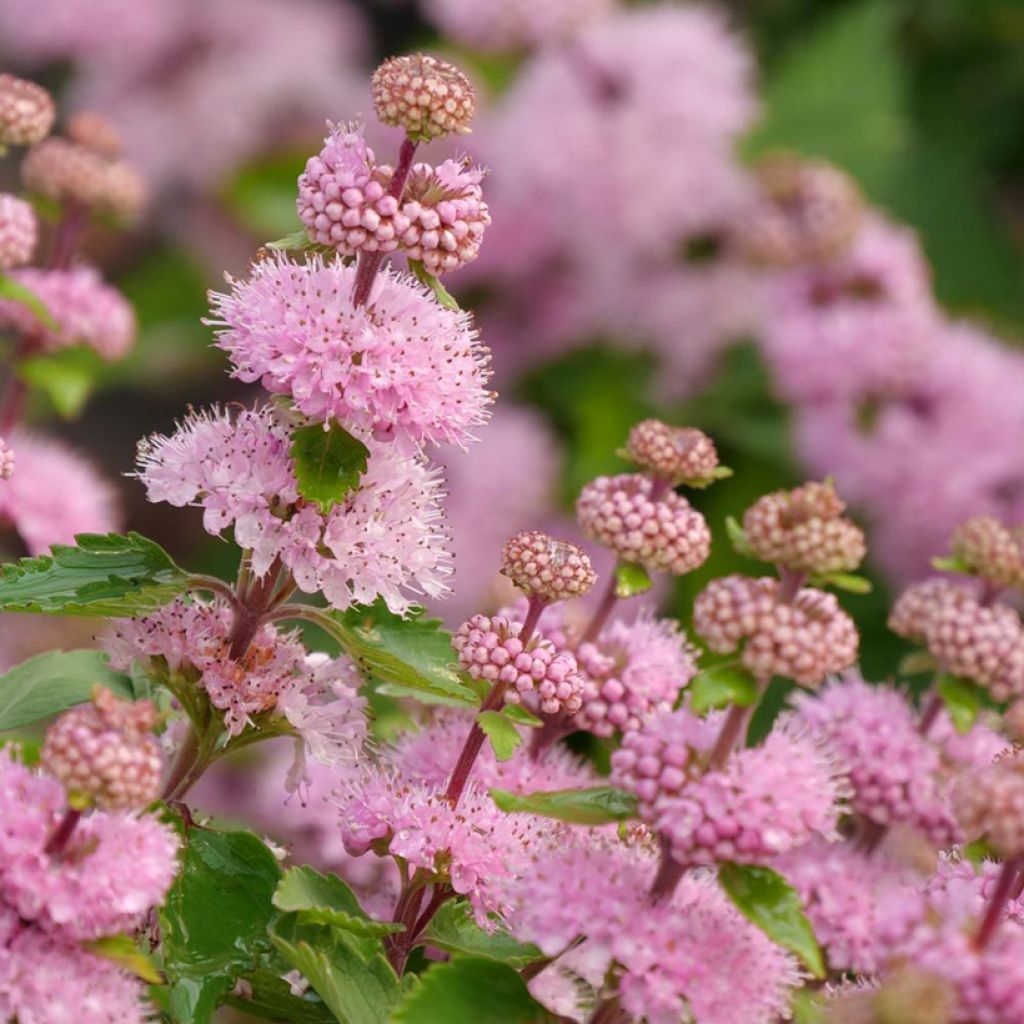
<point x="68" y="233"/>
<point x="370" y="262"/>
<point x="733" y="730"/>
<point x="604" y="609"/>
<point x="58" y="842"/>
<point x="471" y="749"/>
<point x="534" y="609"/>
<point x="669" y="873"/>
<point x="994" y="913"/>
<point x="790" y="583"/>
<point x="929" y="713"/>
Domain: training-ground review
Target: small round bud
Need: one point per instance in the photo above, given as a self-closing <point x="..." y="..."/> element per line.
<point x="26" y="112"/>
<point x="95" y="132"/>
<point x="804" y="530"/>
<point x="809" y="212"/>
<point x="6" y="461"/>
<point x="806" y="640"/>
<point x="663" y="534"/>
<point x="490" y="649"/>
<point x="990" y="550"/>
<point x="989" y="802"/>
<point x="104" y="752"/>
<point x="429" y="98"/>
<point x="543" y="567"/>
<point x="19" y="231"/>
<point x="676" y="454"/>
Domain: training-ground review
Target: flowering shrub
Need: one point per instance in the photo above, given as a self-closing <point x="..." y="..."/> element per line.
<point x="579" y="810"/>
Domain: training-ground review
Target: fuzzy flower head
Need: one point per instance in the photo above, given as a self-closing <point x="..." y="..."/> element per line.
<point x="19" y="231"/>
<point x="105" y="752"/>
<point x="85" y="310"/>
<point x="113" y="871"/>
<point x="549" y="569"/>
<point x="427" y="97"/>
<point x="631" y="672"/>
<point x="990" y="550"/>
<point x="384" y="539"/>
<point x="765" y="801"/>
<point x="989" y="803"/>
<point x="808" y="212"/>
<point x="490" y="649"/>
<point x="400" y="368"/>
<point x="662" y="532"/>
<point x="677" y="454"/>
<point x="805" y="640"/>
<point x="26" y="112"/>
<point x="804" y="530"/>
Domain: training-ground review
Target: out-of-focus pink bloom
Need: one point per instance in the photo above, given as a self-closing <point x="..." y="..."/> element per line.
<point x="54" y="495"/>
<point x="18" y="231"/>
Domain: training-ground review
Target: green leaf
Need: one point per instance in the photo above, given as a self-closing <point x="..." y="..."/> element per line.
<point x="415" y="652"/>
<point x="917" y="662"/>
<point x="14" y="290"/>
<point x="55" y="681"/>
<point x="703" y="482"/>
<point x="214" y="924"/>
<point x="846" y="581"/>
<point x="596" y="806"/>
<point x="123" y="951"/>
<point x="963" y="700"/>
<point x="328" y="463"/>
<point x="720" y="686"/>
<point x="504" y="736"/>
<point x="767" y="900"/>
<point x="443" y="296"/>
<point x="67" y="377"/>
<point x="269" y="997"/>
<point x="104" y="575"/>
<point x="738" y="537"/>
<point x="326" y="899"/>
<point x="453" y="929"/>
<point x="631" y="579"/>
<point x="951" y="563"/>
<point x="299" y="241"/>
<point x="355" y="981"/>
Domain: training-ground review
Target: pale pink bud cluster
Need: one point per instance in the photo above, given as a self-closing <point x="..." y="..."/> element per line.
<point x="984" y="642"/>
<point x="26" y="112"/>
<point x="540" y="566"/>
<point x="990" y="550"/>
<point x="490" y="649"/>
<point x="427" y="97"/>
<point x="804" y="530"/>
<point x="806" y="640"/>
<point x="662" y="533"/>
<point x="69" y="172"/>
<point x="6" y="460"/>
<point x="675" y="454"/>
<point x="989" y="803"/>
<point x="809" y="212"/>
<point x="105" y="752"/>
<point x="19" y="231"/>
<point x="95" y="132"/>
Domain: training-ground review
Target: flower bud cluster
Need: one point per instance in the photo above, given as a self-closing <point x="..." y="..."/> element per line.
<point x="990" y="550"/>
<point x="804" y="530"/>
<point x="806" y="640"/>
<point x="549" y="569"/>
<point x="676" y="454"/>
<point x="27" y="112"/>
<point x="427" y="97"/>
<point x="989" y="804"/>
<point x="19" y="231"/>
<point x="490" y="649"/>
<point x="662" y="532"/>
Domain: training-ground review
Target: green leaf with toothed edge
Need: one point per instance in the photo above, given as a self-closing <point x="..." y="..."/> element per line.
<point x="453" y="929"/>
<point x="328" y="463"/>
<point x="767" y="900"/>
<point x="631" y="579"/>
<point x="721" y="686"/>
<point x="326" y="899"/>
<point x="443" y="296"/>
<point x="504" y="736"/>
<point x="596" y="806"/>
<point x="102" y="575"/>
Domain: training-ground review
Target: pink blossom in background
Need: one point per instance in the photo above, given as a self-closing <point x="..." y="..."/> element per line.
<point x="55" y="494"/>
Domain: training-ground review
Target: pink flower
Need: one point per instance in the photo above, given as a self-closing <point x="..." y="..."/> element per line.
<point x="400" y="368"/>
<point x="384" y="539"/>
<point x="87" y="311"/>
<point x="18" y="231"/>
<point x="115" y="870"/>
<point x="54" y="495"/>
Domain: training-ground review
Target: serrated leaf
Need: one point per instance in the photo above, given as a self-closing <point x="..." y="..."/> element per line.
<point x="504" y="736"/>
<point x="326" y="899"/>
<point x="268" y="996"/>
<point x="469" y="990"/>
<point x="414" y="652"/>
<point x="356" y="982"/>
<point x="453" y="929"/>
<point x="67" y="377"/>
<point x="55" y="681"/>
<point x="596" y="806"/>
<point x="17" y="292"/>
<point x="767" y="900"/>
<point x="849" y="582"/>
<point x="122" y="950"/>
<point x="721" y="686"/>
<point x="214" y="924"/>
<point x="328" y="463"/>
<point x="631" y="579"/>
<point x="962" y="699"/>
<point x="103" y="575"/>
<point x="738" y="537"/>
<point x="443" y="296"/>
<point x="951" y="563"/>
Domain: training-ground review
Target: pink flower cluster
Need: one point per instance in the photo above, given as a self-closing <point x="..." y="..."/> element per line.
<point x="19" y="231"/>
